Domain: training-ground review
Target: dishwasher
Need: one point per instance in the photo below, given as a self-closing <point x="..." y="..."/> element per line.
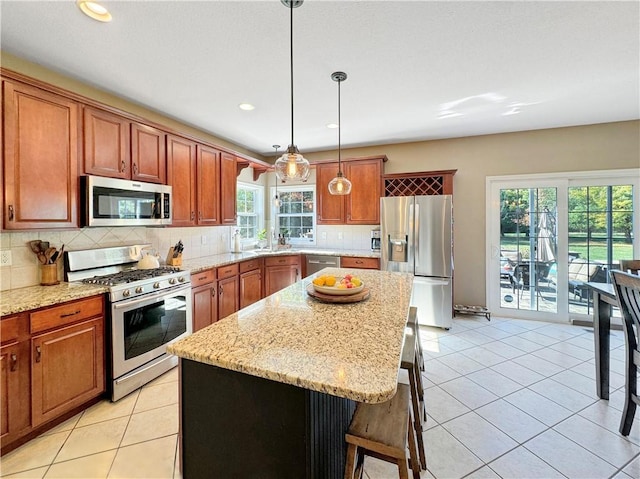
<point x="316" y="262"/>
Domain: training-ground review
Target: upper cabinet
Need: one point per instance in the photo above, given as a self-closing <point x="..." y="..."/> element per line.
<point x="228" y="175"/>
<point x="362" y="205"/>
<point x="40" y="158"/>
<point x="208" y="175"/>
<point x="119" y="148"/>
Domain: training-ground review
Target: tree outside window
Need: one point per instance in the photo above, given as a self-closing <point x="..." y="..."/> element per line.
<point x="297" y="214"/>
<point x="249" y="210"/>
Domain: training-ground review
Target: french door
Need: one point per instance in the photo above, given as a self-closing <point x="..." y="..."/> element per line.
<point x="549" y="235"/>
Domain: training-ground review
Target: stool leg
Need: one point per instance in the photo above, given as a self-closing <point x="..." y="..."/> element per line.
<point x="413" y="453"/>
<point x="350" y="462"/>
<point x="402" y="468"/>
<point x="417" y="418"/>
<point x="419" y="346"/>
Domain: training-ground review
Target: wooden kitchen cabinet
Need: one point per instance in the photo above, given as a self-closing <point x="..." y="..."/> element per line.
<point x="116" y="147"/>
<point x="362" y="205"/>
<point x="228" y="176"/>
<point x="148" y="154"/>
<point x="251" y="286"/>
<point x="228" y="290"/>
<point x="205" y="299"/>
<point x="107" y="144"/>
<point x="14" y="379"/>
<point x="280" y="272"/>
<point x="67" y="369"/>
<point x="359" y="262"/>
<point x="194" y="173"/>
<point x="40" y="158"/>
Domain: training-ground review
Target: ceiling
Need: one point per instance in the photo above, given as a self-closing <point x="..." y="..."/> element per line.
<point x="417" y="70"/>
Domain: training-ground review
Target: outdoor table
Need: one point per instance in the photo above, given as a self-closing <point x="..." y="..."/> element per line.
<point x="604" y="297"/>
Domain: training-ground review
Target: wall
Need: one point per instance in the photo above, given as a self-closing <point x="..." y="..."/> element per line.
<point x="582" y="148"/>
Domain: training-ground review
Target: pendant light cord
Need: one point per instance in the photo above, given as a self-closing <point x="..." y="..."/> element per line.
<point x="291" y="59"/>
<point x="339" y="131"/>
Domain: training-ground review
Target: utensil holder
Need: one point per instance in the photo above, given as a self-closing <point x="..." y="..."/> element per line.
<point x="49" y="274"/>
<point x="171" y="261"/>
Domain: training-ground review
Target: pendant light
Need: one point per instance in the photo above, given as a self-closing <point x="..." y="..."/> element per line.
<point x="339" y="185"/>
<point x="292" y="165"/>
<point x="276" y="198"/>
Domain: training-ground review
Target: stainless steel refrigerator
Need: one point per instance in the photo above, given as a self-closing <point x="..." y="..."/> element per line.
<point x="417" y="238"/>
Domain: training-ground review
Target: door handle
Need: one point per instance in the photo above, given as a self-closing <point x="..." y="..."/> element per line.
<point x="14" y="361"/>
<point x="11" y="213"/>
<point x="135" y="168"/>
<point x="38" y="354"/>
<point x="213" y="292"/>
<point x="122" y="167"/>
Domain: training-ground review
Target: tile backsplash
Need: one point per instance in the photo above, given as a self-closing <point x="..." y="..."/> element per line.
<point x="198" y="242"/>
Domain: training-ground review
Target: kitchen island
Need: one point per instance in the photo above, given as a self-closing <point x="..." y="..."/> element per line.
<point x="269" y="391"/>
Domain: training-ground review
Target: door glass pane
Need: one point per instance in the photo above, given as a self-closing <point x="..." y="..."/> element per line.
<point x="528" y="235"/>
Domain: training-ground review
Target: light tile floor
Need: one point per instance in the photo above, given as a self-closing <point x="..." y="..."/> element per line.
<point x="505" y="399"/>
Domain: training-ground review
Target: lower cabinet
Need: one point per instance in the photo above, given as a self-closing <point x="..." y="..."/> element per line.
<point x="205" y="299"/>
<point x="251" y="281"/>
<point x="67" y="369"/>
<point x="360" y="262"/>
<point x="280" y="272"/>
<point x="52" y="361"/>
<point x="228" y="290"/>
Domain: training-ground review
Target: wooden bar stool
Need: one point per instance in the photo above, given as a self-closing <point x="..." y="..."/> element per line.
<point x="383" y="431"/>
<point x="413" y="322"/>
<point x="410" y="364"/>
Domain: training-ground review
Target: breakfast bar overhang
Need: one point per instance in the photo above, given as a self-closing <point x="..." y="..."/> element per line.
<point x="269" y="391"/>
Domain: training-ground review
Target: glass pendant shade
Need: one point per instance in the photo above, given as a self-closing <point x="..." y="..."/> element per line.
<point x="340" y="185"/>
<point x="292" y="166"/>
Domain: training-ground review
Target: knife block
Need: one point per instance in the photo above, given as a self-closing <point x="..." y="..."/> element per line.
<point x="171" y="261"/>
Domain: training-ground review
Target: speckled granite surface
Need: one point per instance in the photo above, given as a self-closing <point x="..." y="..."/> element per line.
<point x="200" y="264"/>
<point x="34" y="297"/>
<point x="346" y="350"/>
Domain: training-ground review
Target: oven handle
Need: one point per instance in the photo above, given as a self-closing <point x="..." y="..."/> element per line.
<point x="147" y="298"/>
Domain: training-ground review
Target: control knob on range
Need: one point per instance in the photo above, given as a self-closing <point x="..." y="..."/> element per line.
<point x="181" y="279"/>
<point x="139" y="289"/>
<point x="172" y="281"/>
<point x="126" y="293"/>
<point x="156" y="285"/>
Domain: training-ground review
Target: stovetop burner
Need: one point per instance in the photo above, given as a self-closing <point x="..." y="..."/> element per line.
<point x="131" y="275"/>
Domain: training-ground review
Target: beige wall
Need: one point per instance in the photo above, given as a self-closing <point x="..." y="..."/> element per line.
<point x="592" y="147"/>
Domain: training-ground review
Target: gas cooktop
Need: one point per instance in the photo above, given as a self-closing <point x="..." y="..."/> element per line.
<point x="131" y="275"/>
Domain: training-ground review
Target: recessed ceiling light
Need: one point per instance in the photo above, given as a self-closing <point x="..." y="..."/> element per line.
<point x="94" y="10"/>
<point x="332" y="125"/>
<point x="246" y="106"/>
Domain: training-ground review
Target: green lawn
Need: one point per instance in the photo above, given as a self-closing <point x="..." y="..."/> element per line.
<point x="595" y="249"/>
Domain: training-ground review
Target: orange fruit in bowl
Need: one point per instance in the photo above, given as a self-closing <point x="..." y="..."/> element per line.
<point x="329" y="281"/>
<point x="319" y="281"/>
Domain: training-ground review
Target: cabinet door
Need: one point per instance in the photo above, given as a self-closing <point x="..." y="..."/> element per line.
<point x="40" y="159"/>
<point x="205" y="306"/>
<point x="67" y="369"/>
<point x="148" y="154"/>
<point x="228" y="175"/>
<point x="208" y="173"/>
<point x="181" y="163"/>
<point x="227" y="296"/>
<point x="279" y="277"/>
<point x="14" y="390"/>
<point x="106" y="144"/>
<point x="330" y="207"/>
<point x="363" y="203"/>
<point x="250" y="287"/>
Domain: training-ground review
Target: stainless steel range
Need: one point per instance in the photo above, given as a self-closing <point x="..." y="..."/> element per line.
<point x="148" y="309"/>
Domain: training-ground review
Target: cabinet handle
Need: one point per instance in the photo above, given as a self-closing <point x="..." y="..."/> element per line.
<point x="38" y="354"/>
<point x="135" y="168"/>
<point x="281" y="261"/>
<point x="14" y="361"/>
<point x="10" y="212"/>
<point x="220" y="290"/>
<point x="70" y="314"/>
<point x="358" y="261"/>
<point x="213" y="291"/>
<point x="200" y="215"/>
<point x="123" y="167"/>
<point x="296" y="274"/>
<point x="193" y="216"/>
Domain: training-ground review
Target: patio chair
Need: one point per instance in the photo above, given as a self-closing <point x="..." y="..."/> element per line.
<point x="627" y="287"/>
<point x="632" y="265"/>
<point x="521" y="276"/>
<point x="580" y="272"/>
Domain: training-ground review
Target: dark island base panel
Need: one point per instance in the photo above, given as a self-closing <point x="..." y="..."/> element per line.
<point x="239" y="426"/>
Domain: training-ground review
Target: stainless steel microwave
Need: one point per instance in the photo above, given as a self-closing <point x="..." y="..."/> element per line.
<point x="115" y="202"/>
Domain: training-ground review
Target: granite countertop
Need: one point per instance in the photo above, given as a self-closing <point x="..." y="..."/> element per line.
<point x="196" y="265"/>
<point x="34" y="297"/>
<point x="346" y="350"/>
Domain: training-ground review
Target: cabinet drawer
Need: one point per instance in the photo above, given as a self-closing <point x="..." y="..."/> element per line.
<point x="9" y="329"/>
<point x="282" y="260"/>
<point x="66" y="313"/>
<point x="203" y="277"/>
<point x="358" y="262"/>
<point x="251" y="265"/>
<point x="227" y="271"/>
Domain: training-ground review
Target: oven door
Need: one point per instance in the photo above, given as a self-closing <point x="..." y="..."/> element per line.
<point x="142" y="327"/>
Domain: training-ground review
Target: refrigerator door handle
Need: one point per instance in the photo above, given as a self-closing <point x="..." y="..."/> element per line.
<point x="416" y="234"/>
